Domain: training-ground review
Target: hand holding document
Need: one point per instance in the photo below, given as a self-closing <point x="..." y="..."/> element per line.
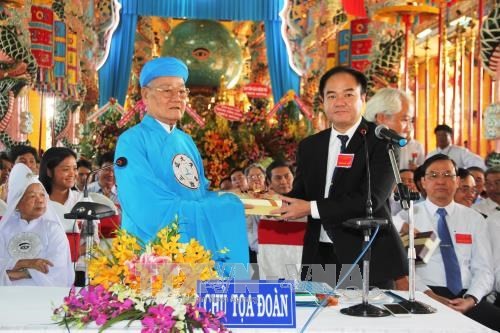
<point x="259" y="203"/>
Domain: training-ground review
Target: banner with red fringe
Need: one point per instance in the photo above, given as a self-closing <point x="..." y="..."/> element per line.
<point x="139" y="107"/>
<point x="41" y="29"/>
<point x="256" y="90"/>
<point x="275" y="109"/>
<point x="60" y="56"/>
<point x="196" y="117"/>
<point x="229" y="112"/>
<point x="290" y="96"/>
<point x="112" y="105"/>
<point x="344" y="44"/>
<point x="71" y="59"/>
<point x="361" y="44"/>
<point x="302" y="107"/>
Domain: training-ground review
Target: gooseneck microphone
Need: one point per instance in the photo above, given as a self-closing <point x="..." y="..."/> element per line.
<point x="384" y="133"/>
<point x="120" y="162"/>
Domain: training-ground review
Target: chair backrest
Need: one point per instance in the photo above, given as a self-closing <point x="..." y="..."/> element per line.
<point x="281" y="233"/>
<point x="280" y="245"/>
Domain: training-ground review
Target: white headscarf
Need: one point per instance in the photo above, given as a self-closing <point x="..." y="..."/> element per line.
<point x="20" y="178"/>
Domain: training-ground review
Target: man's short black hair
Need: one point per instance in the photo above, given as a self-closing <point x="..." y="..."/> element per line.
<point x="276" y="164"/>
<point x="418" y="173"/>
<point x="437" y="157"/>
<point x="492" y="170"/>
<point x="84" y="163"/>
<point x="444" y="128"/>
<point x="476" y="168"/>
<point x="225" y="179"/>
<point x="4" y="157"/>
<point x="357" y="75"/>
<point x="235" y="171"/>
<point x="463" y="173"/>
<point x="107" y="157"/>
<point x="17" y="151"/>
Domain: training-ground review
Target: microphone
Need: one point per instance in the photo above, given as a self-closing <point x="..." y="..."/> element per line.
<point x="368" y="221"/>
<point x="363" y="129"/>
<point x="120" y="162"/>
<point x="384" y="133"/>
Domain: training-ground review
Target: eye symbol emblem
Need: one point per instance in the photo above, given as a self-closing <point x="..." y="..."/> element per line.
<point x="201" y="53"/>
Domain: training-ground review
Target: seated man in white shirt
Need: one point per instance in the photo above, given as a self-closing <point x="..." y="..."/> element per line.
<point x="83" y="170"/>
<point x="460" y="273"/>
<point x="493" y="222"/>
<point x="466" y="192"/>
<point x="478" y="175"/>
<point x="461" y="155"/>
<point x="106" y="182"/>
<point x="491" y="204"/>
<point x="34" y="250"/>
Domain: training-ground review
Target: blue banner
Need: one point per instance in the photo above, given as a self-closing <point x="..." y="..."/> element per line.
<point x="250" y="303"/>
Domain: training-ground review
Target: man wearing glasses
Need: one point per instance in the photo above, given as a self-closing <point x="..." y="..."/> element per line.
<point x="491" y="204"/>
<point x="164" y="178"/>
<point x="466" y="192"/>
<point x="460" y="273"/>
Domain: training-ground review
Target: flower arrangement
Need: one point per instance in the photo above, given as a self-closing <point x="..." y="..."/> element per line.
<point x="154" y="283"/>
<point x="226" y="145"/>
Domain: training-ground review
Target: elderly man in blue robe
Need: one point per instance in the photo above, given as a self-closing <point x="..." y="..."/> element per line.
<point x="164" y="177"/>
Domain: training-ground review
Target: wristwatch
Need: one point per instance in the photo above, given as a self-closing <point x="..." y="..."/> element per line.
<point x="473" y="298"/>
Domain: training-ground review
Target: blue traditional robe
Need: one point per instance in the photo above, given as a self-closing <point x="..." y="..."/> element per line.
<point x="164" y="178"/>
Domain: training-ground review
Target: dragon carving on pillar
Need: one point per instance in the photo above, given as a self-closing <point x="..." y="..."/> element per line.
<point x="18" y="68"/>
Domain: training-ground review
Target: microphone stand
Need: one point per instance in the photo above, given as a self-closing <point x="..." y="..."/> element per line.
<point x="88" y="212"/>
<point x="366" y="224"/>
<point x="406" y="197"/>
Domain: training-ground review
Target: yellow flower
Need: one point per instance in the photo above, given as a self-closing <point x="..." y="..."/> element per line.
<point x="118" y="264"/>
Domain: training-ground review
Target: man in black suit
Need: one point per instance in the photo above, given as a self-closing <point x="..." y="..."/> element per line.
<point x="331" y="185"/>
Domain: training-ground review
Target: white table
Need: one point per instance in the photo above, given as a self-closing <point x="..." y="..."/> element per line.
<point x="29" y="309"/>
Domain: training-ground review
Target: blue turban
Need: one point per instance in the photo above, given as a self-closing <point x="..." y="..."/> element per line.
<point x="159" y="67"/>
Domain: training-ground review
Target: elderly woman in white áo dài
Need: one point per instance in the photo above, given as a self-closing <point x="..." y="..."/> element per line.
<point x="34" y="249"/>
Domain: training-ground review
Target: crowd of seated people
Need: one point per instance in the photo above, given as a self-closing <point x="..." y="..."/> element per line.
<point x="62" y="178"/>
<point x="468" y="185"/>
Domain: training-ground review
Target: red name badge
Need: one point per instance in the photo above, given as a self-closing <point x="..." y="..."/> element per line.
<point x="463" y="238"/>
<point x="345" y="160"/>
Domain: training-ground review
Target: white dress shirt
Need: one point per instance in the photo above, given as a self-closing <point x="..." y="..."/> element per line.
<point x="493" y="222"/>
<point x="486" y="207"/>
<point x="333" y="154"/>
<point x="95" y="187"/>
<point x="462" y="156"/>
<point x="406" y="154"/>
<point x="168" y="128"/>
<point x="475" y="258"/>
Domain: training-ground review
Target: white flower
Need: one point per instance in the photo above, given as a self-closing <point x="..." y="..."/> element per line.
<point x="140" y="306"/>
